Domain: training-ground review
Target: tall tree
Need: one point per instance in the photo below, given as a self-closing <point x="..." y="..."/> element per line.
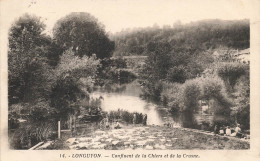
<point x="27" y="62"/>
<point x="84" y="34"/>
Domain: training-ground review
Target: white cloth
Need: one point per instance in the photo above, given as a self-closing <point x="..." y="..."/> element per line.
<point x="228" y="132"/>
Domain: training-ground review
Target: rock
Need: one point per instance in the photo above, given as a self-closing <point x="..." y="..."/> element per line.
<point x="96" y="143"/>
<point x="96" y="139"/>
<point x="84" y="139"/>
<point x="157" y="146"/>
<point x="75" y="142"/>
<point x="168" y="145"/>
<point x="162" y="147"/>
<point x="71" y="140"/>
<point x="140" y="143"/>
<point x="148" y="147"/>
<point x="162" y="140"/>
<point x="109" y="140"/>
<point x="73" y="147"/>
<point x="127" y="143"/>
<point x="99" y="132"/>
<point x="150" y="140"/>
<point x="115" y="142"/>
<point x="102" y="146"/>
<point x="132" y="139"/>
<point x="82" y="145"/>
<point x="151" y="137"/>
<point x="95" y="147"/>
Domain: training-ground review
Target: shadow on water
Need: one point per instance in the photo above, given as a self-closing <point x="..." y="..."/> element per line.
<point x="127" y="97"/>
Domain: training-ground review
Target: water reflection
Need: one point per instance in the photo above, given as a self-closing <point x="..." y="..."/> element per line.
<point x="128" y="99"/>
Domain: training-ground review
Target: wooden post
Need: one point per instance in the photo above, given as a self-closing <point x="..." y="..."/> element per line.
<point x="59" y="129"/>
<point x="70" y="124"/>
<point x="74" y="120"/>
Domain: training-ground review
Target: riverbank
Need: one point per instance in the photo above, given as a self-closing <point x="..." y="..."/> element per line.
<point x="149" y="138"/>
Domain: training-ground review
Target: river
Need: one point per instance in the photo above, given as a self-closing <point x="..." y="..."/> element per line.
<point x="126" y="97"/>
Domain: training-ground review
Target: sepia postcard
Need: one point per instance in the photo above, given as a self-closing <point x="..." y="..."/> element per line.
<point x="129" y="80"/>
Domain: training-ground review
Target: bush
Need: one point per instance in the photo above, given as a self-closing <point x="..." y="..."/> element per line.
<point x="171" y="96"/>
<point x="152" y="90"/>
<point x="125" y="116"/>
<point x="191" y="95"/>
<point x="30" y="133"/>
<point x="230" y="73"/>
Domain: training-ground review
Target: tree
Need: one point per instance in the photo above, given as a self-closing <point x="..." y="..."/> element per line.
<point x="28" y="67"/>
<point x="74" y="78"/>
<point x="177" y="74"/>
<point x="84" y="34"/>
<point x="26" y="33"/>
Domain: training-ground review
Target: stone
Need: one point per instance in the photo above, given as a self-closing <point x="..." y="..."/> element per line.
<point x="162" y="140"/>
<point x="168" y="144"/>
<point x="109" y="140"/>
<point x="102" y="146"/>
<point x="99" y="132"/>
<point x="82" y="145"/>
<point x="148" y="147"/>
<point x="115" y="142"/>
<point x="71" y="140"/>
<point x="127" y="143"/>
<point x="84" y="139"/>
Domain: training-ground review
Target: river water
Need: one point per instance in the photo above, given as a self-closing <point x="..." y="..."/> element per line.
<point x="126" y="97"/>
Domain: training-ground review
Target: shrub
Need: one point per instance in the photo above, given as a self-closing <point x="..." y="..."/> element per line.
<point x="125" y="116"/>
<point x="171" y="96"/>
<point x="191" y="95"/>
<point x="230" y="73"/>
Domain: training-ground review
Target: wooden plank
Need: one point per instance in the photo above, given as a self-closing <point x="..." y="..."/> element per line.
<point x="36" y="146"/>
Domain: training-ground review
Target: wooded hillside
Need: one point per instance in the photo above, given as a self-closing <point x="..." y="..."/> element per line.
<point x="206" y="34"/>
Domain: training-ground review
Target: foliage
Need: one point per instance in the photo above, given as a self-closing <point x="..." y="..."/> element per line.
<point x="152" y="90"/>
<point x="165" y="63"/>
<point x="94" y="106"/>
<point x="26" y="33"/>
<point x="65" y="94"/>
<point x="177" y="74"/>
<point x="231" y="72"/>
<point x="185" y="97"/>
<point x="113" y="70"/>
<point x="84" y="34"/>
<point x="28" y="65"/>
<point x="191" y="95"/>
<point x="205" y="34"/>
<point x="32" y="133"/>
<point x="70" y="84"/>
<point x="124" y="116"/>
<point x="171" y="96"/>
<point x="75" y="66"/>
<point x="242" y="112"/>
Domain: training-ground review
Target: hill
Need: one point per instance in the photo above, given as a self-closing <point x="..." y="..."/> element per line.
<point x="201" y="35"/>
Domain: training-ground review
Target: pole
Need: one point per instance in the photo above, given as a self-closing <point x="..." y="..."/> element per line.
<point x="59" y="129"/>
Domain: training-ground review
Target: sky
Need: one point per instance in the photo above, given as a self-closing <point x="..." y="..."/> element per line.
<point x="121" y="14"/>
